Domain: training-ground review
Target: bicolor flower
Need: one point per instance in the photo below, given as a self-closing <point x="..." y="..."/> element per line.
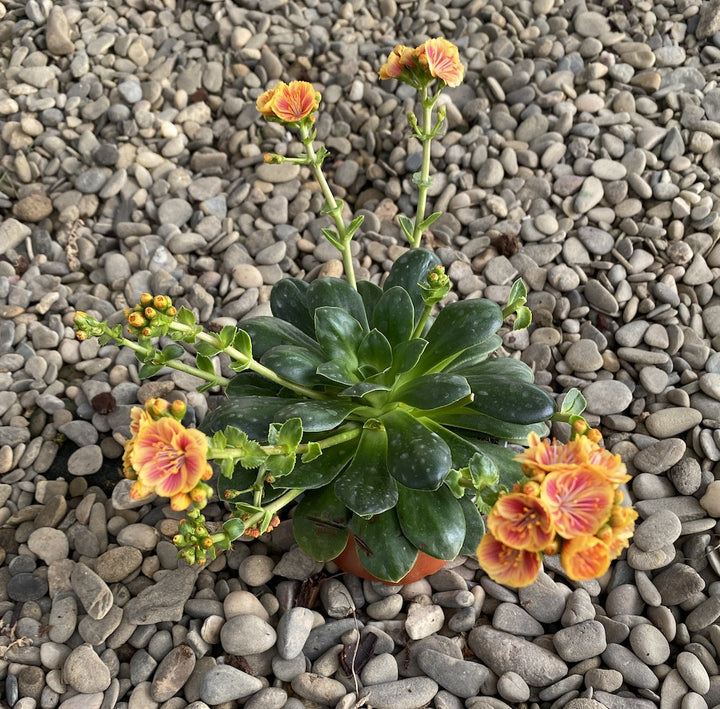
<point x="546" y="456"/>
<point x="169" y="458"/>
<point x="622" y="525"/>
<point x="585" y="558"/>
<point x="521" y="522"/>
<point x="401" y="59"/>
<point x="505" y="565"/>
<point x="442" y="59"/>
<point x="579" y="501"/>
<point x="290" y="103"/>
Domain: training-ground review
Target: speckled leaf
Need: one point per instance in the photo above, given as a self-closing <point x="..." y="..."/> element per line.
<point x="473" y="358"/>
<point x="297" y="364"/>
<point x="320" y="524"/>
<point x="365" y="486"/>
<point x="432" y="391"/>
<point x="370" y="294"/>
<point x="510" y="399"/>
<point x="334" y="292"/>
<point x="417" y="457"/>
<point x="317" y="415"/>
<point x="374" y="353"/>
<point x="433" y="521"/>
<point x="410" y="269"/>
<point x="495" y="428"/>
<point x="384" y="550"/>
<point x="474" y="526"/>
<point x="288" y="300"/>
<point x="339" y="334"/>
<point x="320" y="471"/>
<point x="394" y="315"/>
<point x="504" y="367"/>
<point x="266" y="332"/>
<point x="251" y="414"/>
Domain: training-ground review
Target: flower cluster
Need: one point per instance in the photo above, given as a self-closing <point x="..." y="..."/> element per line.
<point x="165" y="458"/>
<point x="149" y="312"/>
<point x="435" y="59"/>
<point x="289" y="103"/>
<point x="571" y="504"/>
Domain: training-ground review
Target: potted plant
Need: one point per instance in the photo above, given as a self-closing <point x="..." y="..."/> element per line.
<point x="384" y="416"/>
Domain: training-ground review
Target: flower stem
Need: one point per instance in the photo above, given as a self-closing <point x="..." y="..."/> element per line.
<point x="425" y="180"/>
<point x="421" y="323"/>
<point x="334" y="209"/>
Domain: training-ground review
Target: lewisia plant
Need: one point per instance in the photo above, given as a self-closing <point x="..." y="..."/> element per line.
<point x="382" y="416"/>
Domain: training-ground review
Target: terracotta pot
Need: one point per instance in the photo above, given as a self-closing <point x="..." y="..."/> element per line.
<point x="349" y="561"/>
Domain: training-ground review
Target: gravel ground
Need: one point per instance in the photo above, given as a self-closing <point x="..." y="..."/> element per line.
<point x="581" y="154"/>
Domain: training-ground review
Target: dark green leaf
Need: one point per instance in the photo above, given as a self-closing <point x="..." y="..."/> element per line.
<point x="288" y="302"/>
<point x="149" y="370"/>
<point x="474" y="526"/>
<point x="250" y="384"/>
<point x="374" y="353"/>
<point x="370" y="294"/>
<point x="297" y="364"/>
<point x="383" y="549"/>
<point x="433" y="521"/>
<point x="510" y="399"/>
<point x="339" y="334"/>
<point x="409" y="270"/>
<point x="473" y="356"/>
<point x="337" y="372"/>
<point x="337" y="293"/>
<point x="417" y="457"/>
<point x="432" y="391"/>
<point x="505" y="367"/>
<point x="251" y="414"/>
<point x="241" y="479"/>
<point x="407" y="354"/>
<point x="266" y="332"/>
<point x="365" y="486"/>
<point x="320" y="471"/>
<point x="394" y="315"/>
<point x="367" y="389"/>
<point x="320" y="524"/>
<point x="318" y="415"/>
<point x="494" y="428"/>
<point x="172" y="351"/>
<point x="460" y="325"/>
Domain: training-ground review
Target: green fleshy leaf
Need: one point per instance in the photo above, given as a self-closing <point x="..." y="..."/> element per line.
<point x="469" y="361"/>
<point x="317" y="416"/>
<point x="332" y="236"/>
<point x="433" y="391"/>
<point x="353" y="226"/>
<point x="186" y="317"/>
<point x="297" y="364"/>
<point x="518" y="293"/>
<point x="417" y="457"/>
<point x="267" y="332"/>
<point x="339" y="334"/>
<point x="365" y="487"/>
<point x="374" y="353"/>
<point x="172" y="351"/>
<point x="382" y="547"/>
<point x="365" y="389"/>
<point x="460" y="325"/>
<point x="205" y="364"/>
<point x="510" y="399"/>
<point x="505" y="367"/>
<point x="320" y="524"/>
<point x="433" y="521"/>
<point x="429" y="221"/>
<point x="288" y="301"/>
<point x="494" y="428"/>
<point x="206" y="349"/>
<point x="474" y="526"/>
<point x="406" y="355"/>
<point x="242" y="343"/>
<point x="408" y="271"/>
<point x="370" y="294"/>
<point x="523" y="318"/>
<point x="337" y="372"/>
<point x="320" y="471"/>
<point x="394" y="315"/>
<point x="406" y="225"/>
<point x="251" y="414"/>
<point x="334" y="292"/>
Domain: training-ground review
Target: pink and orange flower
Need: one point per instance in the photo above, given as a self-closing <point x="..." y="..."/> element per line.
<point x="289" y="103"/>
<point x="442" y="59"/>
<point x="164" y="457"/>
<point x="571" y="505"/>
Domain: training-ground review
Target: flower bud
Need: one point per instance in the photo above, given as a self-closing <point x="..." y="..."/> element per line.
<point x="234" y="528"/>
<point x="156" y="407"/>
<point x="81" y="335"/>
<point x="179" y="540"/>
<point x="178" y="409"/>
<point x="136" y="319"/>
<point x="161" y="302"/>
<point x="150" y="313"/>
<point x="171" y="311"/>
<point x="146" y="299"/>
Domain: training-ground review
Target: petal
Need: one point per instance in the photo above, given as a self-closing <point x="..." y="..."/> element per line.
<point x="295" y="101"/>
<point x="579" y="501"/>
<point x="443" y="61"/>
<point x="585" y="558"/>
<point x="510" y="567"/>
<point x="521" y="522"/>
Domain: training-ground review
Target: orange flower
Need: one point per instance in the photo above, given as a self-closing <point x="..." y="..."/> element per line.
<point x="292" y="102"/>
<point x="511" y="567"/>
<point x="546" y="456"/>
<point x="442" y="60"/>
<point x="169" y="458"/>
<point x="609" y="464"/>
<point x="622" y="526"/>
<point x="137" y="417"/>
<point x="521" y="522"/>
<point x="265" y="101"/>
<point x="401" y="59"/>
<point x="585" y="558"/>
<point x="579" y="501"/>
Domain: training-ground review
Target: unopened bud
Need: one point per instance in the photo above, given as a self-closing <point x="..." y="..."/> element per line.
<point x="136" y="319"/>
<point x="146" y="299"/>
<point x="178" y="409"/>
<point x="161" y="302"/>
<point x="150" y="313"/>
